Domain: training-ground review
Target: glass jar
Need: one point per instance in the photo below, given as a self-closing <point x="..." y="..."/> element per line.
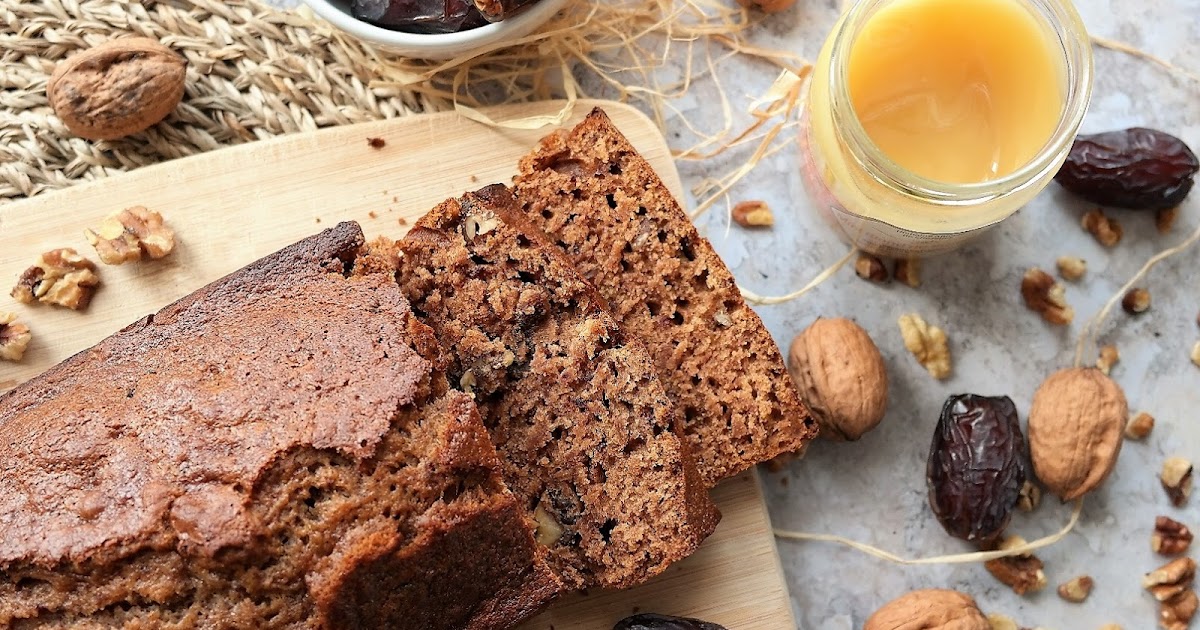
<point x="888" y="210"/>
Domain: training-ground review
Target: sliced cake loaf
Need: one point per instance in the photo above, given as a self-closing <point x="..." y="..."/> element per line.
<point x="604" y="207"/>
<point x="277" y="450"/>
<point x="585" y="430"/>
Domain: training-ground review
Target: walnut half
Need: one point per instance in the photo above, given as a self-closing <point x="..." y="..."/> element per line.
<point x="14" y="337"/>
<point x="61" y="277"/>
<point x="126" y="235"/>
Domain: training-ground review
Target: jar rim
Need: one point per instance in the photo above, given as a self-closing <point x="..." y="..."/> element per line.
<point x="1076" y="49"/>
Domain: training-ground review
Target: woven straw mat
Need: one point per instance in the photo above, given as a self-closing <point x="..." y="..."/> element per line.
<point x="254" y="72"/>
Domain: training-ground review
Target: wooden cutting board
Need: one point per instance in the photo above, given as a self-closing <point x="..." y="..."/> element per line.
<point x="232" y="206"/>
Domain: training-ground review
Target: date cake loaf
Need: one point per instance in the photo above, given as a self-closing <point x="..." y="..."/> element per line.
<point x="604" y="207"/>
<point x="586" y="434"/>
<point x="277" y="450"/>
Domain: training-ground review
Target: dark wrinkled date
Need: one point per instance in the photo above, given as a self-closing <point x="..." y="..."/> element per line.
<point x="419" y="16"/>
<point x="976" y="466"/>
<point x="1136" y="168"/>
<point x="650" y="621"/>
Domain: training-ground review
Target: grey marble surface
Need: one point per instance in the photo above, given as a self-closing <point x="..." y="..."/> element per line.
<point x="874" y="490"/>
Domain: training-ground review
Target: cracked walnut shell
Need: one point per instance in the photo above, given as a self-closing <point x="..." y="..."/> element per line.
<point x="840" y="373"/>
<point x="927" y="343"/>
<point x="1076" y="426"/>
<point x="14" y="337"/>
<point x="61" y="277"/>
<point x="929" y="609"/>
<point x="126" y="235"/>
<point x="118" y="88"/>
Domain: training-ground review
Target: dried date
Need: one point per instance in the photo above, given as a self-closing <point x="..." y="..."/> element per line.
<point x="977" y="466"/>
<point x="419" y="16"/>
<point x="651" y="621"/>
<point x="1136" y="168"/>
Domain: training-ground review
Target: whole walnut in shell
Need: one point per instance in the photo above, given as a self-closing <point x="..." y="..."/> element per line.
<point x="118" y="88"/>
<point x="841" y="376"/>
<point x="930" y="609"/>
<point x="1076" y="426"/>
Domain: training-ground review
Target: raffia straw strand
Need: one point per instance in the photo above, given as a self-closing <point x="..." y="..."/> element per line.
<point x="759" y="300"/>
<point x="1141" y="54"/>
<point x="958" y="558"/>
<point x="1090" y="330"/>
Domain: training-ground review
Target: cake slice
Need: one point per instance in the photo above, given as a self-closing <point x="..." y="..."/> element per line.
<point x="277" y="450"/>
<point x="585" y="430"/>
<point x="604" y="207"/>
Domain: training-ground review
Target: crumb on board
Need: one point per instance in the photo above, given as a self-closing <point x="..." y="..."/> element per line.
<point x="395" y="198"/>
<point x="318" y="219"/>
<point x="403" y="221"/>
<point x="373" y="215"/>
<point x="474" y="179"/>
<point x="376" y="143"/>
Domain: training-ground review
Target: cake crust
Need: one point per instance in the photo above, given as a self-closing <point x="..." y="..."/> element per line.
<point x="258" y="454"/>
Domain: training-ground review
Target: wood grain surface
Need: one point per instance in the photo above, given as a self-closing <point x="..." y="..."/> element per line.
<point x="235" y="205"/>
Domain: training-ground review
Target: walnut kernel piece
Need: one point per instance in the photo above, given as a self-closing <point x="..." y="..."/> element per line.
<point x="61" y="277"/>
<point x="1109" y="356"/>
<point x="871" y="268"/>
<point x="1136" y="301"/>
<point x="751" y="214"/>
<point x="1176" y="479"/>
<point x="1030" y="497"/>
<point x="548" y="528"/>
<point x="126" y="235"/>
<point x="1002" y="622"/>
<point x="1139" y="426"/>
<point x="1171" y="579"/>
<point x="1176" y="613"/>
<point x="1076" y="589"/>
<point x="927" y="343"/>
<point x="1106" y="230"/>
<point x="908" y="271"/>
<point x="1071" y="267"/>
<point x="14" y="337"/>
<point x="1164" y="219"/>
<point x="768" y="6"/>
<point x="929" y="608"/>
<point x="1022" y="572"/>
<point x="476" y="225"/>
<point x="1170" y="537"/>
<point x="1046" y="297"/>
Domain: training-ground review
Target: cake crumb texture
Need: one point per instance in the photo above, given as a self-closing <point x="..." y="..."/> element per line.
<point x="603" y="206"/>
<point x="583" y="425"/>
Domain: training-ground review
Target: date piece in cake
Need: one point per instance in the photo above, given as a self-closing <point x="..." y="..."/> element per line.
<point x="277" y="450"/>
<point x="604" y="207"/>
<point x="585" y="430"/>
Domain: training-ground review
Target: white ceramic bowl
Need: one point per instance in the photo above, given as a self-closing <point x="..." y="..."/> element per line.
<point x="441" y="45"/>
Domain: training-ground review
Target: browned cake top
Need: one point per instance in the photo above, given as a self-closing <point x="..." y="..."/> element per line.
<point x="174" y="418"/>
<point x="604" y="207"/>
